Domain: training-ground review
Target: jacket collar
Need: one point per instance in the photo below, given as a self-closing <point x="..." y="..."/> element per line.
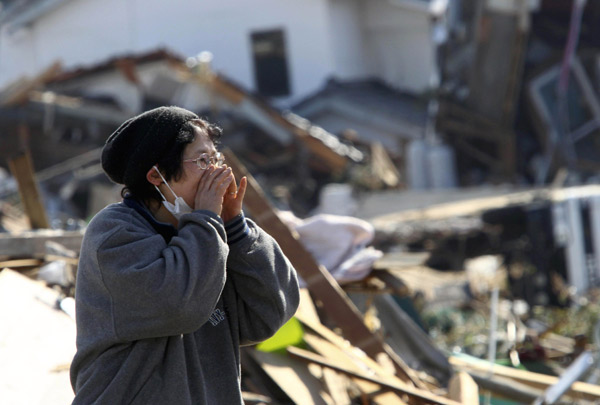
<point x="167" y="231"/>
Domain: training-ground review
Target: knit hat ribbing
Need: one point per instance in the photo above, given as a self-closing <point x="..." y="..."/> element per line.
<point x="141" y="141"/>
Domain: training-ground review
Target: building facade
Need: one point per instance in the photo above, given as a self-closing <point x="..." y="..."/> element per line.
<point x="281" y="49"/>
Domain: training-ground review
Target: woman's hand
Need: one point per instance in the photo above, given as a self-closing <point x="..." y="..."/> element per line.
<point x="233" y="199"/>
<point x="213" y="184"/>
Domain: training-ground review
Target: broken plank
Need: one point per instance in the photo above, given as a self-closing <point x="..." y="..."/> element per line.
<point x="463" y="388"/>
<point x="307" y="307"/>
<point x="291" y="376"/>
<point x="418" y="394"/>
<point x="350" y="360"/>
<point x="20" y="263"/>
<point x="337" y="386"/>
<point x="345" y="346"/>
<point x="32" y="244"/>
<point x="579" y="389"/>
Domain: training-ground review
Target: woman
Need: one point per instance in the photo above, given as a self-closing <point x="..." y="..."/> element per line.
<point x="173" y="279"/>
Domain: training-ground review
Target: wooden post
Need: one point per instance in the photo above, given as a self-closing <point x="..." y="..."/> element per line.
<point x="318" y="280"/>
<point x="22" y="169"/>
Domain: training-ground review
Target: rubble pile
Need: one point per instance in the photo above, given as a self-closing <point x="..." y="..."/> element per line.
<point x="402" y="332"/>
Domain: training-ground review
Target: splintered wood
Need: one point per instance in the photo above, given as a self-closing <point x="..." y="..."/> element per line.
<point x="330" y="370"/>
<point x="320" y="282"/>
<point x="395" y="385"/>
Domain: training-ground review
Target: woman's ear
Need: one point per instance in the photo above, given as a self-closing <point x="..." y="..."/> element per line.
<point x="153" y="177"/>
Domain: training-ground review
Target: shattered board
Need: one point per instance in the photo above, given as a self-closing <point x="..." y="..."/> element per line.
<point x="37" y="343"/>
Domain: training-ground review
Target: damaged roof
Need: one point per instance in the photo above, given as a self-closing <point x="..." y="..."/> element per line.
<point x="377" y="110"/>
<point x="282" y="126"/>
<point x="117" y="62"/>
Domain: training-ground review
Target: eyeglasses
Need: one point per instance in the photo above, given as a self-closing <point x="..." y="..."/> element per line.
<point x="204" y="160"/>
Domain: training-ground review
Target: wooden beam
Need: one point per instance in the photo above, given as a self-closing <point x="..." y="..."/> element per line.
<point x="589" y="392"/>
<point x="12" y="264"/>
<point x="476" y="206"/>
<point x="32" y="244"/>
<point x="419" y="394"/>
<point x="22" y="169"/>
<point x="319" y="281"/>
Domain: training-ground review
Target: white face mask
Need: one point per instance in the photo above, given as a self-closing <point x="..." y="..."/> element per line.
<point x="180" y="207"/>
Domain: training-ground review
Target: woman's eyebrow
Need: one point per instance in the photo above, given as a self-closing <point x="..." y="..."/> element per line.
<point x="202" y="150"/>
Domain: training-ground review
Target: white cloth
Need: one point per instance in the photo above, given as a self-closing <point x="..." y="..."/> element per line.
<point x="339" y="243"/>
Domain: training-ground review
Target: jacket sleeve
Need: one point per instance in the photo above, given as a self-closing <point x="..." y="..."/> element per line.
<point x="159" y="289"/>
<point x="264" y="280"/>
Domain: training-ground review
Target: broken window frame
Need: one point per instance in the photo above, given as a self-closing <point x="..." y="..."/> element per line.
<point x="275" y="83"/>
<point x="546" y="115"/>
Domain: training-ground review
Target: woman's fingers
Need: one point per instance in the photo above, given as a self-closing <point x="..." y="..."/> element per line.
<point x="222" y="181"/>
<point x="213" y="178"/>
<point x="241" y="190"/>
<point x="212" y="187"/>
<point x="206" y="178"/>
<point x="233" y="201"/>
<point x="232" y="189"/>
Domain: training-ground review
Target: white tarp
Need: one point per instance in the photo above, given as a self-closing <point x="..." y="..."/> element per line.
<point x="339" y="243"/>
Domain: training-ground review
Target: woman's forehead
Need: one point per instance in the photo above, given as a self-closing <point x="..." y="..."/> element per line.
<point x="202" y="143"/>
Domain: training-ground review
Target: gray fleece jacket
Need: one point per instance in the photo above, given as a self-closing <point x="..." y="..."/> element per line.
<point x="161" y="313"/>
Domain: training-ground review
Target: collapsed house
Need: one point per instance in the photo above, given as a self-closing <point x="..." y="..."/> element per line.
<point x="73" y="111"/>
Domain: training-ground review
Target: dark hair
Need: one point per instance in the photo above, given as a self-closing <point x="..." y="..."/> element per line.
<point x="170" y="164"/>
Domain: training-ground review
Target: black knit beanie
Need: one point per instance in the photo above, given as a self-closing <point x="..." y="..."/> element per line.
<point x="141" y="141"/>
